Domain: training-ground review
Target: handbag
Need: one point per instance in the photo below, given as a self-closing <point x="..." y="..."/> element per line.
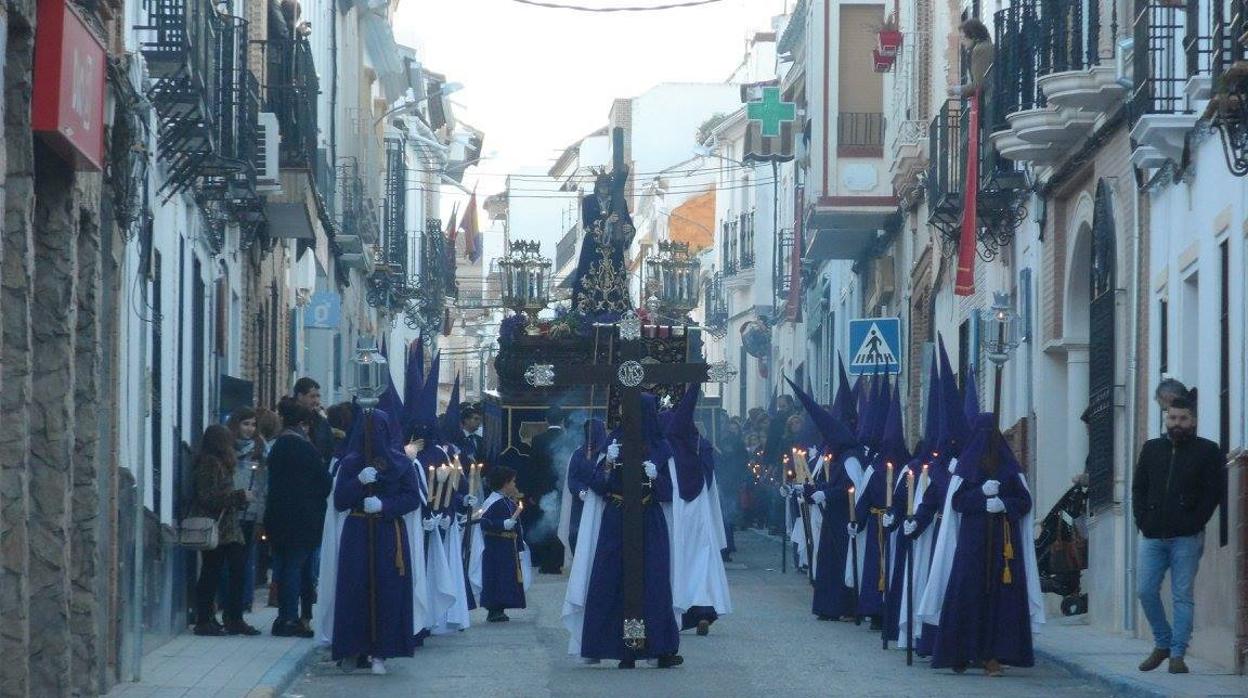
<point x="200" y="532"/>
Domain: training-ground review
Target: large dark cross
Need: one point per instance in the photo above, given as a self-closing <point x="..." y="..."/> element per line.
<point x="626" y="379"/>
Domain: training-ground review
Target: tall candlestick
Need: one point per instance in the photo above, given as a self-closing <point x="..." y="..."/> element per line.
<point x="888" y="485"/>
<point x="429" y="483"/>
<point x="909" y="493"/>
<point x="923" y="477"/>
<point x="853" y="518"/>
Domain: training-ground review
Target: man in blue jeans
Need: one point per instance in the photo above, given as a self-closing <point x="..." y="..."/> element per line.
<point x="1177" y="486"/>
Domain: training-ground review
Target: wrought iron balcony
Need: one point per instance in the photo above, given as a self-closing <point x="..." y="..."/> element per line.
<point x="427" y="305"/>
<point x="394" y="222"/>
<point x="1162" y="59"/>
<point x="184" y="42"/>
<point x="1002" y="186"/>
<point x="1228" y="108"/>
<point x="291" y="91"/>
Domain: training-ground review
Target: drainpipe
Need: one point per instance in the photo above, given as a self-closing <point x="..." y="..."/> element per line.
<point x="1130" y="534"/>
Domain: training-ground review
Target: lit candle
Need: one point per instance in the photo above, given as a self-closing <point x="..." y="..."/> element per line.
<point x="923" y="477"/>
<point x="888" y="485"/>
<point x="429" y="482"/>
<point x="909" y="493"/>
<point x="519" y="509"/>
<point x="852" y="517"/>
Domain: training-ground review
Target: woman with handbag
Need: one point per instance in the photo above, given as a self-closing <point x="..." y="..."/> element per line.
<point x="250" y="474"/>
<point x="217" y="497"/>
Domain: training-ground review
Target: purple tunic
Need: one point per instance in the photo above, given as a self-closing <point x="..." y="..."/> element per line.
<point x="502" y="583"/>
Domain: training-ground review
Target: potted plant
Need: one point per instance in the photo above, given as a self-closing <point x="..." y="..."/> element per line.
<point x="880" y="62"/>
<point x="889" y="38"/>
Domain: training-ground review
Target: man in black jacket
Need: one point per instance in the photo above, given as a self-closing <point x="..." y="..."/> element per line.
<point x="299" y="487"/>
<point x="540" y="478"/>
<point x="1176" y="488"/>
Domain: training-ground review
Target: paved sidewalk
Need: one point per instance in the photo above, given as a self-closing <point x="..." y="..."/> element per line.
<point x="1112" y="661"/>
<point x="236" y="667"/>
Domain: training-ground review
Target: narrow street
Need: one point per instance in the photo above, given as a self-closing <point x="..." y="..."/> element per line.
<point x="771" y="644"/>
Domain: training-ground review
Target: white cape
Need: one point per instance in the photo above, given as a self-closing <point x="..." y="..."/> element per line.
<point x="860" y="479"/>
<point x="456" y="617"/>
<point x="933" y="598"/>
<point x="565" y="516"/>
<point x="816" y="523"/>
<point x="331" y="535"/>
<point x="922" y="556"/>
<point x="582" y="566"/>
<point x="477" y="553"/>
<point x="697" y="568"/>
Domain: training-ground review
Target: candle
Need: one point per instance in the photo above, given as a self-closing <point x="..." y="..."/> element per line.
<point x="429" y="481"/>
<point x="888" y="485"/>
<point x="909" y="493"/>
<point x="923" y="477"/>
<point x="852" y="517"/>
<point x="519" y="509"/>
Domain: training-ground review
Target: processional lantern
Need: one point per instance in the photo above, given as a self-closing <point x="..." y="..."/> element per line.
<point x="526" y="278"/>
<point x="1000" y="325"/>
<point x="370" y="372"/>
<point x="673" y="277"/>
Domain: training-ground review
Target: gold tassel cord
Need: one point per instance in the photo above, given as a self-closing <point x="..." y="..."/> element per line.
<point x="1006" y="576"/>
<point x="398" y="549"/>
<point x="879" y="535"/>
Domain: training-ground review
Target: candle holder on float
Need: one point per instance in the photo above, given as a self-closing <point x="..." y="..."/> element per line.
<point x="526" y="280"/>
<point x="672" y="278"/>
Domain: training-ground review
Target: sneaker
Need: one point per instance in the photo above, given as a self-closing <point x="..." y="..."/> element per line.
<point x="379" y="667"/>
<point x="1154" y="660"/>
<point x="1177" y="665"/>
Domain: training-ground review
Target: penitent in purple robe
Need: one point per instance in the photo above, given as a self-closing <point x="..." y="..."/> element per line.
<point x="986" y="612"/>
<point x="357" y="609"/>
<point x="870" y="514"/>
<point x="502" y="578"/>
<point x="927" y="514"/>
<point x="833" y="598"/>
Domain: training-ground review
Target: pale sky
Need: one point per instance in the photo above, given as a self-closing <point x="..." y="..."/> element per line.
<point x="536" y="79"/>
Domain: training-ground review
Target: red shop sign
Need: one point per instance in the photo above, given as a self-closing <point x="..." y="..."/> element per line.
<point x="68" y="111"/>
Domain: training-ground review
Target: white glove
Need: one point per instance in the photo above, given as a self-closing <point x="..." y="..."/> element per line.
<point x="372" y="505"/>
<point x="785" y="491"/>
<point x="613" y="451"/>
<point x="991" y="488"/>
<point x="652" y="470"/>
<point x="444" y="522"/>
<point x="368" y="475"/>
<point x="812" y="454"/>
<point x="429" y="524"/>
<point x="509" y="524"/>
<point x="995" y="506"/>
<point x="910" y="526"/>
<point x="888" y="520"/>
<point x="461" y="518"/>
<point x="470" y="501"/>
<point x="819" y="497"/>
<point x="583" y="494"/>
<point x="852" y="528"/>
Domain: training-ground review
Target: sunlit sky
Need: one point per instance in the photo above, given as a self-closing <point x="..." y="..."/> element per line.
<point x="536" y="79"/>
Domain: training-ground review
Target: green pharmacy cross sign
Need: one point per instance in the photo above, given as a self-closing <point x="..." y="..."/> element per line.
<point x="771" y="111"/>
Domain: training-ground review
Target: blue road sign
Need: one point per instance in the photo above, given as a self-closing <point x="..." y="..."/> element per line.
<point x="323" y="311"/>
<point x="874" y="346"/>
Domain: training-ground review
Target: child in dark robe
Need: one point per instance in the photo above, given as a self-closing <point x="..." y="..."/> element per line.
<point x="502" y="574"/>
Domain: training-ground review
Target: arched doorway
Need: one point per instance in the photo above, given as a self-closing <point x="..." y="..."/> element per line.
<point x="1101" y="336"/>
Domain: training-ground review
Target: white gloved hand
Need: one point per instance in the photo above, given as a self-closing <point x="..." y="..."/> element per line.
<point x="888" y="520"/>
<point x="613" y="450"/>
<point x="812" y="454"/>
<point x="372" y="505"/>
<point x="785" y="491"/>
<point x="910" y="526"/>
<point x="995" y="506"/>
<point x="368" y="475"/>
<point x="429" y="524"/>
<point x="444" y="522"/>
<point x="470" y="501"/>
<point x="852" y="528"/>
<point x="652" y="470"/>
<point x="991" y="488"/>
<point x="509" y="524"/>
<point x="583" y="494"/>
<point x="819" y="497"/>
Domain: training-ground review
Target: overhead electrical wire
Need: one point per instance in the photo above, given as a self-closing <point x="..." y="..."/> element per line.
<point x="626" y="8"/>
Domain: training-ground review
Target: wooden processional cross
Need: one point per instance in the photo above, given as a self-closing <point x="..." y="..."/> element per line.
<point x="627" y="379"/>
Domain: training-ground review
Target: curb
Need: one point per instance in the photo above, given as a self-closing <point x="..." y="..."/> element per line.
<point x="1118" y="684"/>
<point x="280" y="676"/>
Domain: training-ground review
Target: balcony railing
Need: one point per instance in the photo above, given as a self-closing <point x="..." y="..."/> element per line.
<point x="1226" y="42"/>
<point x="356" y="214"/>
<point x="291" y="94"/>
<point x="1165" y="52"/>
<point x="860" y="134"/>
<point x="566" y="249"/>
<point x="746" y="260"/>
<point x="394" y="224"/>
<point x="946" y="166"/>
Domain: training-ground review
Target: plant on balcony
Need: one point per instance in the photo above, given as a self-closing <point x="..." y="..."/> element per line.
<point x="888" y="38"/>
<point x="880" y="62"/>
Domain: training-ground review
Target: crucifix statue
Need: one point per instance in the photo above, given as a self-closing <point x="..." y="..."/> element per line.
<point x="625" y="380"/>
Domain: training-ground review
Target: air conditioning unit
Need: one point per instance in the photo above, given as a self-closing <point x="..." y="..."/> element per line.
<point x="268" y="145"/>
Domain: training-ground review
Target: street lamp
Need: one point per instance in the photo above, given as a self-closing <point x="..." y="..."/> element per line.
<point x="673" y="277"/>
<point x="1000" y="336"/>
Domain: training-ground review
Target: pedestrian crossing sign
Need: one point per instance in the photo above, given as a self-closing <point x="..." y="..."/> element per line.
<point x="875" y="346"/>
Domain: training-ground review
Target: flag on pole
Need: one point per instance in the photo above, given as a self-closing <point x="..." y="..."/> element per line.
<point x="468" y="225"/>
<point x="964" y="284"/>
<point x="451" y="228"/>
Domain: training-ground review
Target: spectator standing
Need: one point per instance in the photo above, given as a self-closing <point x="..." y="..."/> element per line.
<point x="250" y="474"/>
<point x="217" y="497"/>
<point x="1176" y="488"/>
<point x="299" y="485"/>
<point x="308" y="394"/>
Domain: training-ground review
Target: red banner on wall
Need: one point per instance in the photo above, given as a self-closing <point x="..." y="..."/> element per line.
<point x="68" y="97"/>
<point x="964" y="285"/>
